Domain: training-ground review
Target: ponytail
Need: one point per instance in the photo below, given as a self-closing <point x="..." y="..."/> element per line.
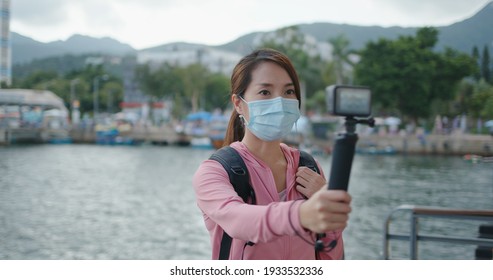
<point x="236" y="129"/>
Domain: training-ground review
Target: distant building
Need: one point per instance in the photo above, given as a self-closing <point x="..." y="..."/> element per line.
<point x="5" y="43"/>
<point x="217" y="61"/>
<point x="136" y="106"/>
<point x="136" y="103"/>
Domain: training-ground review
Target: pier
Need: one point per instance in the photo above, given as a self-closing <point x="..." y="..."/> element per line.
<point x="450" y="144"/>
<point x="430" y="144"/>
<point x="159" y="135"/>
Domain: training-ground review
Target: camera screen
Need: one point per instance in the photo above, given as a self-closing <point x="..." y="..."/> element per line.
<point x="353" y="101"/>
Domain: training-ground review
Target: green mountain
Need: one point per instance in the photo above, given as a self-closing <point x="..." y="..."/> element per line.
<point x="462" y="36"/>
<point x="475" y="31"/>
<point x="25" y="49"/>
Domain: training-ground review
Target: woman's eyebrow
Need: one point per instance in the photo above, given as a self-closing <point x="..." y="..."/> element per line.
<point x="269" y="84"/>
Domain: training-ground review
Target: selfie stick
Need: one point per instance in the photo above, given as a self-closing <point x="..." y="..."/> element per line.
<point x="340" y="100"/>
<point x="343" y="153"/>
<point x="342" y="161"/>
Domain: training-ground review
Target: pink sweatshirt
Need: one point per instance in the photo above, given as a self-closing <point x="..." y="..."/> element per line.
<point x="273" y="225"/>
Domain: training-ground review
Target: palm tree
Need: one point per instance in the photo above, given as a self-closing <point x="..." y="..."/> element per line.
<point x="340" y="56"/>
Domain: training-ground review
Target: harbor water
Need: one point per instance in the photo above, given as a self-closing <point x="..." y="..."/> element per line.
<point x="67" y="202"/>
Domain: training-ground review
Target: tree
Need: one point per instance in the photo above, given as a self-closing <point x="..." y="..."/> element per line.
<point x="341" y="58"/>
<point x="463" y="100"/>
<point x="158" y="83"/>
<point x="303" y="52"/>
<point x="485" y="65"/>
<point x="39" y="79"/>
<point x="481" y="102"/>
<point x="194" y="79"/>
<point x="216" y="92"/>
<point x="406" y="75"/>
<point x="476" y="57"/>
<point x="61" y="86"/>
<point x="191" y="87"/>
<point x="111" y="94"/>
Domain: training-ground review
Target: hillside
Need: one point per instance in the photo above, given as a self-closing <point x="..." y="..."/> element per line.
<point x="463" y="36"/>
<point x="25" y="49"/>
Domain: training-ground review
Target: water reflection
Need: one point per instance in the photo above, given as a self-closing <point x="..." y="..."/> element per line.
<point x="100" y="202"/>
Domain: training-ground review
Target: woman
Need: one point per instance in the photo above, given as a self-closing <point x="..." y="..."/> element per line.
<point x="292" y="204"/>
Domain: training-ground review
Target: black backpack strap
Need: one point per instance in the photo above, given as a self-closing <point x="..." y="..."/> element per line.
<point x="225" y="246"/>
<point x="238" y="175"/>
<point x="233" y="163"/>
<point x="307" y="160"/>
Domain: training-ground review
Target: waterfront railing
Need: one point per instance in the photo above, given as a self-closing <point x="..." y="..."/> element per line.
<point x="419" y="212"/>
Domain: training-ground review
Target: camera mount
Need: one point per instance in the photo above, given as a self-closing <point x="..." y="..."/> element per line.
<point x="350" y="102"/>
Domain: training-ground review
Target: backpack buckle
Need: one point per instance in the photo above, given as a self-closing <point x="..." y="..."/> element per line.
<point x="238" y="170"/>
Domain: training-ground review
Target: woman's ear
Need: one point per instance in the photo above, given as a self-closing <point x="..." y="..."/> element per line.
<point x="237" y="103"/>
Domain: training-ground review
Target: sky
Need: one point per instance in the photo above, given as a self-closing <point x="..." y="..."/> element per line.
<point x="149" y="23"/>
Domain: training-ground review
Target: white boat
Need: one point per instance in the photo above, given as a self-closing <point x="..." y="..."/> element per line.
<point x="201" y="142"/>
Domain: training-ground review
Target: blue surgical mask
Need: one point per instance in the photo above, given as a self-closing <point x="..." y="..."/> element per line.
<point x="272" y="119"/>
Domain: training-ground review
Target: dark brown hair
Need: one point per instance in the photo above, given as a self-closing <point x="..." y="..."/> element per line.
<point x="241" y="78"/>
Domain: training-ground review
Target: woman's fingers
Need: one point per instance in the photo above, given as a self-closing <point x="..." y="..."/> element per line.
<point x="326" y="210"/>
<point x="309" y="181"/>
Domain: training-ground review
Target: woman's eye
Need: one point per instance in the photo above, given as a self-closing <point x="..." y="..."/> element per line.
<point x="264" y="92"/>
<point x="290" y="92"/>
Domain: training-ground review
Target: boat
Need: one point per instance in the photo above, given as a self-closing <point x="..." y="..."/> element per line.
<point x="201" y="143"/>
<point x="217" y="127"/>
<point x="477" y="158"/>
<point x="374" y="150"/>
<point x="195" y="127"/>
<point x="217" y="141"/>
<point x="206" y="130"/>
<point x="55" y="128"/>
<point x="111" y="135"/>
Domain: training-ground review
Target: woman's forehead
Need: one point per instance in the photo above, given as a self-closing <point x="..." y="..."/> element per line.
<point x="270" y="73"/>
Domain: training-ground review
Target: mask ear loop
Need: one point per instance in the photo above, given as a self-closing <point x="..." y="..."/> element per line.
<point x="243" y="120"/>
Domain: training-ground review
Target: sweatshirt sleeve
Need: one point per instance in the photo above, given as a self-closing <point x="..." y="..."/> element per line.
<point x="335" y="237"/>
<point x="335" y="252"/>
<point x="218" y="200"/>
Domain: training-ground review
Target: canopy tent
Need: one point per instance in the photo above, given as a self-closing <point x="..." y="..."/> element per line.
<point x="201" y="115"/>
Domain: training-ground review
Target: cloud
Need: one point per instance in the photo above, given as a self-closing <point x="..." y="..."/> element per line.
<point x="438" y="12"/>
<point x="147" y="23"/>
<point x="36" y="13"/>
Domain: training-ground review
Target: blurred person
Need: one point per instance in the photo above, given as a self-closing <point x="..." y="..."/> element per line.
<point x="292" y="202"/>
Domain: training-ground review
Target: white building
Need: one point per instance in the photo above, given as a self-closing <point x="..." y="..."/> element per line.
<point x="217" y="61"/>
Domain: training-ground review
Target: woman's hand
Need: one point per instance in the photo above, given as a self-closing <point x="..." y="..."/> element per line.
<point x="309" y="181"/>
<point x="326" y="210"/>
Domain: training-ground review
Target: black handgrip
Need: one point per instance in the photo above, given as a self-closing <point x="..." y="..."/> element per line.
<point x="342" y="160"/>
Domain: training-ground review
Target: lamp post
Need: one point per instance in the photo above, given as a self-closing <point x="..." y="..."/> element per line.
<point x="95" y="96"/>
<point x="110" y="102"/>
<point x="73" y="106"/>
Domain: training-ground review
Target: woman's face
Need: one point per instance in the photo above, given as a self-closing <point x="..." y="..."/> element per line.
<point x="269" y="80"/>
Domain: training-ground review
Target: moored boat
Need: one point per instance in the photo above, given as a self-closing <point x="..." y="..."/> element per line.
<point x="373" y="150"/>
<point x="217" y="127"/>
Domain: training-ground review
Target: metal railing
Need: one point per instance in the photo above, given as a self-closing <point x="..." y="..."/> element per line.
<point x="435" y="212"/>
